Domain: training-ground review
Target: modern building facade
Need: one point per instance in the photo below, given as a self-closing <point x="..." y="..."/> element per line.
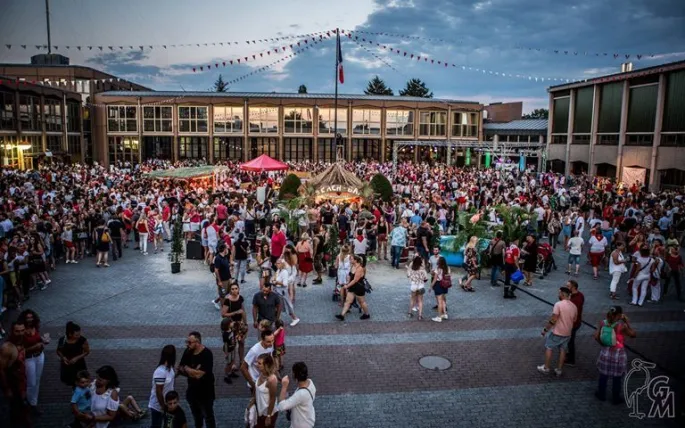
<point x="621" y="124"/>
<point x="38" y="120"/>
<point x="503" y="112"/>
<point x="85" y="81"/>
<point x="522" y="135"/>
<point x="134" y="126"/>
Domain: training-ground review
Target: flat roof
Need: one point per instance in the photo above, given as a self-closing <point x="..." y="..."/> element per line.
<point x="271" y="95"/>
<point x="68" y="66"/>
<point x="533" y="125"/>
<point x="656" y="69"/>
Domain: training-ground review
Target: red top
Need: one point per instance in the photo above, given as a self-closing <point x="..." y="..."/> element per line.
<point x="578" y="299"/>
<point x="221" y="212"/>
<point x="166" y="213"/>
<point x="142" y="227"/>
<point x="511" y="254"/>
<point x="278" y="242"/>
<point x="30" y="340"/>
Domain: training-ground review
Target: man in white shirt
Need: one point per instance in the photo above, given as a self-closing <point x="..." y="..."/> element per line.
<point x="574" y="248"/>
<point x="249" y="367"/>
<point x="301" y="403"/>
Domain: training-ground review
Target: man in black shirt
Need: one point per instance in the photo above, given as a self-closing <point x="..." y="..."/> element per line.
<point x="266" y="305"/>
<point x="116" y="226"/>
<point x="197" y="365"/>
<point x="423" y="240"/>
<point x="222" y="272"/>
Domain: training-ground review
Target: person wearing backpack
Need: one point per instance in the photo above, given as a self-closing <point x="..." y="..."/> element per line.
<point x="612" y="361"/>
<point x="103" y="239"/>
<point x="299" y="407"/>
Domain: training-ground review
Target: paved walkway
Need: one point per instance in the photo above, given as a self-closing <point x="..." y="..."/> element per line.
<point x="367" y="372"/>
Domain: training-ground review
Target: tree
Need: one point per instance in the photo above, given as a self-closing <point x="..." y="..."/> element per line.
<point x="377" y="86"/>
<point x="416" y="88"/>
<point x="220" y="85"/>
<point x="290" y="187"/>
<point x="302" y="89"/>
<point x="382" y="187"/>
<point x="538" y="113"/>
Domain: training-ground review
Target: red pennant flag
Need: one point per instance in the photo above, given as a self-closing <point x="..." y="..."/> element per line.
<point x="238" y="60"/>
<point x="201" y="69"/>
<point x="349" y="35"/>
<point x="268" y="52"/>
<point x="230" y="62"/>
<point x="298" y="43"/>
<point x="439" y="62"/>
<point x="291" y="46"/>
<point x="209" y="67"/>
<point x="246" y="59"/>
<point x="283" y="48"/>
<point x="445" y="64"/>
<point x="216" y="65"/>
<point x="254" y="56"/>
<point x="405" y="54"/>
<point x="261" y="54"/>
<point x="224" y="63"/>
<point x="363" y="40"/>
<point x="432" y="61"/>
<point x="411" y="56"/>
<point x="418" y="58"/>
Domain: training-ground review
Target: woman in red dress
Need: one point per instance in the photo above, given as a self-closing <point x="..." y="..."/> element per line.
<point x="305" y="261"/>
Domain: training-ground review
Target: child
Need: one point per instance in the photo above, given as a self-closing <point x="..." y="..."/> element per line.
<point x="81" y="400"/>
<point x="263" y="325"/>
<point x="129" y="408"/>
<point x="279" y="344"/>
<point x="174" y="417"/>
<point x="228" y="335"/>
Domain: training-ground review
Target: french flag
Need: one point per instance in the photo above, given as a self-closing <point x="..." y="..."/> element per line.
<point x="341" y="73"/>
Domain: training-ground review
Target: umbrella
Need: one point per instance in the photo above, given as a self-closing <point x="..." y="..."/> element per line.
<point x="264" y="163"/>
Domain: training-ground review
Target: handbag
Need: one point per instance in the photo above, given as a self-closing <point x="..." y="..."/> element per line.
<point x="517" y="276"/>
<point x="446" y="281"/>
<point x="367" y="286"/>
<point x="288" y="413"/>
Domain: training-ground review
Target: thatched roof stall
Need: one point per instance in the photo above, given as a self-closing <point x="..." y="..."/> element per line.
<point x="336" y="183"/>
<point x="190" y="173"/>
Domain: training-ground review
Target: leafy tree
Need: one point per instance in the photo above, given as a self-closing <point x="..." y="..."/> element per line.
<point x="377" y="86"/>
<point x="302" y="89"/>
<point x="382" y="187"/>
<point x="416" y="88"/>
<point x="290" y="187"/>
<point x="538" y="113"/>
<point x="220" y="85"/>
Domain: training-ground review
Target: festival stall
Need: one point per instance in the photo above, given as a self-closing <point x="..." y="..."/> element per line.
<point x="337" y="184"/>
<point x="264" y="163"/>
<point x="203" y="176"/>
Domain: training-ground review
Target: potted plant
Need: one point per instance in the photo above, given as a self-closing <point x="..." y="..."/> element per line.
<point x="176" y="253"/>
<point x="332" y="249"/>
<point x="466" y="225"/>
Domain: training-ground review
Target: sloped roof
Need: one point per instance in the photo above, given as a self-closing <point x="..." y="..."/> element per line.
<point x="184" y="173"/>
<point x="336" y="174"/>
<point x="530" y="125"/>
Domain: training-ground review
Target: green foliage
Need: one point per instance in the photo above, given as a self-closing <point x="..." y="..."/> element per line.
<point x="435" y="238"/>
<point x="220" y="85"/>
<point x="176" y="254"/>
<point x="332" y="245"/>
<point x="302" y="89"/>
<point x="377" y="86"/>
<point x="513" y="219"/>
<point x="538" y="113"/>
<point x="290" y="187"/>
<point x="465" y="230"/>
<point x="416" y="88"/>
<point x="381" y="186"/>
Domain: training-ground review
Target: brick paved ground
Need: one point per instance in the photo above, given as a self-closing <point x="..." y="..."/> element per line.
<point x="367" y="372"/>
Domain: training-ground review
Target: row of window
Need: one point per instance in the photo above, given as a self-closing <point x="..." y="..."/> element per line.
<point x="612" y="139"/>
<point x="32" y="118"/>
<point x="264" y="120"/>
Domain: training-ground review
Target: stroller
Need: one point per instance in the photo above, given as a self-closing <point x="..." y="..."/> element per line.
<point x="545" y="260"/>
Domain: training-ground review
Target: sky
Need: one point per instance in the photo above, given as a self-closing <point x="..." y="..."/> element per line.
<point x="530" y="39"/>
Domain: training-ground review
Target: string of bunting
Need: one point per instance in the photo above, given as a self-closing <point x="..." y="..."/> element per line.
<point x="64" y="83"/>
<point x="432" y="61"/>
<point x="557" y="51"/>
<point x="146" y="46"/>
<point x="373" y="54"/>
<point x="254" y="57"/>
<point x="152" y="104"/>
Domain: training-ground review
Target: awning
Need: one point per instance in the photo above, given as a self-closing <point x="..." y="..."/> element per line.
<point x="264" y="163"/>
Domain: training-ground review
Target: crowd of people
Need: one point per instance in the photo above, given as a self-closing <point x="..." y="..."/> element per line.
<point x="71" y="214"/>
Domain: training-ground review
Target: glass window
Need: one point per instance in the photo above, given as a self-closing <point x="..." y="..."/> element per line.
<point x="264" y="146"/>
<point x="366" y="122"/>
<point x="327" y="121"/>
<point x="465" y="124"/>
<point x="228" y="119"/>
<point x="74" y="145"/>
<point x="157" y="147"/>
<point x="54" y="143"/>
<point x="228" y="148"/>
<point x="7" y="113"/>
<point x="297" y="149"/>
<point x="432" y="123"/>
<point x="297" y="120"/>
<point x="192" y="147"/>
<point x="264" y="120"/>
<point x="157" y="119"/>
<point x="326" y="150"/>
<point x="74" y="117"/>
<point x="52" y="114"/>
<point x="36" y="142"/>
<point x="366" y="149"/>
<point x="122" y="119"/>
<point x="192" y="119"/>
<point x="399" y="122"/>
<point x="123" y="149"/>
<point x="29" y="113"/>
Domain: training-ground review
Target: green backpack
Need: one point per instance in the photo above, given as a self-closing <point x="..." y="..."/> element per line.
<point x="607" y="335"/>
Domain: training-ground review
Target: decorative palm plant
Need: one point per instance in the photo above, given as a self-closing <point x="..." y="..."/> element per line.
<point x="514" y="221"/>
<point x="466" y="226"/>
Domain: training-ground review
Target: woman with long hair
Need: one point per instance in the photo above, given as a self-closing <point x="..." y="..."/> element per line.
<point x="470" y="264"/>
<point x="343" y="266"/>
<point x="37" y="261"/>
<point x="383" y="230"/>
<point x="158" y="233"/>
<point x="290" y="256"/>
<point x="530" y="251"/>
<point x="356" y="287"/>
<point x="442" y="271"/>
<point x="72" y="349"/>
<point x="34" y="344"/>
<point x="264" y="263"/>
<point x="105" y="397"/>
<point x="613" y="361"/>
<point x="417" y="279"/>
<point x="240" y="253"/>
<point x="305" y="259"/>
<point x="143" y="232"/>
<point x="162" y="382"/>
<point x="617" y="267"/>
<point x="266" y="390"/>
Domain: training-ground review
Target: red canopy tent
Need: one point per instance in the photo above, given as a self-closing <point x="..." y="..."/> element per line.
<point x="264" y="163"/>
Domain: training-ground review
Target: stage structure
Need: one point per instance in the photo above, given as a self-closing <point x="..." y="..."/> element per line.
<point x="532" y="149"/>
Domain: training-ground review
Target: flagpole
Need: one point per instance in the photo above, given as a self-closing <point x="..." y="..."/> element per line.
<point x="335" y="121"/>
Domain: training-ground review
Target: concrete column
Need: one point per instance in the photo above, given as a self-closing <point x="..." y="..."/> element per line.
<point x="82" y="132"/>
<point x="622" y="129"/>
<point x="315" y="133"/>
<point x="550" y="123"/>
<point x="654" y="179"/>
<point x="139" y="120"/>
<point x="449" y="134"/>
<point x="541" y="164"/>
<point x="281" y="141"/>
<point x="210" y="129"/>
<point x="348" y="147"/>
<point x="43" y="135"/>
<point x="247" y="153"/>
<point x="174" y="147"/>
<point x="591" y="168"/>
<point x="384" y="121"/>
<point x="65" y="140"/>
<point x="569" y="131"/>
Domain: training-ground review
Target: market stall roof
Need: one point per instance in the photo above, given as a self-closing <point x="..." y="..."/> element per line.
<point x="264" y="163"/>
<point x="336" y="174"/>
<point x="185" y="173"/>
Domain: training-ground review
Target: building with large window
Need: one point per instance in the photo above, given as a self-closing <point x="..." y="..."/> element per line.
<point x="134" y="126"/>
<point x="35" y="120"/>
<point x="629" y="125"/>
<point x="85" y="81"/>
